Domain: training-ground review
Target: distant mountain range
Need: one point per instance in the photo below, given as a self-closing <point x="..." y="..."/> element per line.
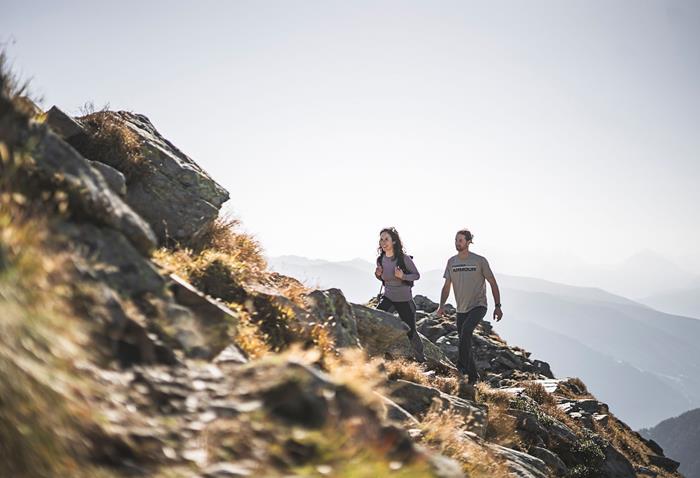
<point x="642" y="361"/>
<point x="680" y="439"/>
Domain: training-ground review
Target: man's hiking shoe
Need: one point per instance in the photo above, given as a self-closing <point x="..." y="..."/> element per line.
<point x="473" y="380"/>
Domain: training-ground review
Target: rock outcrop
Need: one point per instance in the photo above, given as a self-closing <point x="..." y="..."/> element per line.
<point x="169" y="190"/>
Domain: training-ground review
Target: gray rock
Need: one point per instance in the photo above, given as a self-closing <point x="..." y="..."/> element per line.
<point x="616" y="465"/>
<point x="394" y="411"/>
<point x="381" y="333"/>
<point x="227" y="470"/>
<point x="62" y="124"/>
<point x="553" y="462"/>
<point x="425" y="304"/>
<point x="109" y="257"/>
<point x="542" y="368"/>
<point x="644" y="471"/>
<point x="60" y="165"/>
<point x="385" y="334"/>
<point x="177" y="197"/>
<point x="115" y="179"/>
<point x="587" y="405"/>
<point x="431" y="328"/>
<point x="520" y="464"/>
<point x="449" y="344"/>
<point x="664" y="463"/>
<point x="444" y="467"/>
<point x="231" y="355"/>
<point x="528" y="422"/>
<point x="331" y="308"/>
<point x="417" y="399"/>
<point x="215" y="324"/>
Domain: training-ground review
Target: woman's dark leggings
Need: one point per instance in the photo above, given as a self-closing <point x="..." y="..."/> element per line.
<point x="407" y="312"/>
<point x="466" y="323"/>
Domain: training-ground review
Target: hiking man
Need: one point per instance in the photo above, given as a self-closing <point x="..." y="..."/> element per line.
<point x="467" y="272"/>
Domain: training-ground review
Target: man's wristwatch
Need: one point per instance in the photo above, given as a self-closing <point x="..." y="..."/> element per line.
<point x="498" y="306"/>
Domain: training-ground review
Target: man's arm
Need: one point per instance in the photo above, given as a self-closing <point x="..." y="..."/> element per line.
<point x="497" y="312"/>
<point x="444" y="294"/>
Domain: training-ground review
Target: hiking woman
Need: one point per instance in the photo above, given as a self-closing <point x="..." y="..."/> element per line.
<point x="397" y="272"/>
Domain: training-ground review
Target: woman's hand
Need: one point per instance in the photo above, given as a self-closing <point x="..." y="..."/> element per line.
<point x="378" y="272"/>
<point x="398" y="273"/>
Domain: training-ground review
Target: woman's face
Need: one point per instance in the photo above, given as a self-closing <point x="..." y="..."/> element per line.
<point x="386" y="243"/>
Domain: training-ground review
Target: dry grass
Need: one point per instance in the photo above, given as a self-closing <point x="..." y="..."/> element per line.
<point x="573" y="388"/>
<point x="538" y="393"/>
<point x="444" y="430"/>
<point x="16" y="90"/>
<point x="413" y="372"/>
<point x="339" y="448"/>
<point x="501" y="428"/>
<point x="406" y="370"/>
<point x="491" y="396"/>
<point x="362" y="375"/>
<point x="249" y="337"/>
<point x="226" y="263"/>
<point x="627" y="442"/>
<point x="219" y="261"/>
<point x="111" y="142"/>
<point x="41" y="419"/>
<point x="223" y="235"/>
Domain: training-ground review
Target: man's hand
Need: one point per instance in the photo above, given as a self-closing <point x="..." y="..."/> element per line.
<point x="497" y="314"/>
<point x="378" y="272"/>
<point x="440" y="311"/>
<point x="398" y="273"/>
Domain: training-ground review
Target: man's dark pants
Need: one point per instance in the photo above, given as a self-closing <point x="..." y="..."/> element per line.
<point x="466" y="323"/>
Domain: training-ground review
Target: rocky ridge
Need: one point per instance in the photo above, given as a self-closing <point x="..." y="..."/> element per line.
<point x="165" y="381"/>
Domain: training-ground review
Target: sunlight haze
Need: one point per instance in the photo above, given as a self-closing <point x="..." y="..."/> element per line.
<point x="564" y="134"/>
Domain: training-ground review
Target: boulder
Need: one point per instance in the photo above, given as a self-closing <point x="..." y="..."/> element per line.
<point x="664" y="463"/>
<point x="106" y="255"/>
<point x="520" y="464"/>
<point x="425" y="304"/>
<point x="331" y="308"/>
<point x="417" y="399"/>
<point x="431" y="328"/>
<point x="59" y="166"/>
<point x="553" y="462"/>
<point x="62" y="124"/>
<point x="385" y="334"/>
<point x="213" y="325"/>
<point x="173" y="194"/>
<point x="115" y="179"/>
<point x="615" y="465"/>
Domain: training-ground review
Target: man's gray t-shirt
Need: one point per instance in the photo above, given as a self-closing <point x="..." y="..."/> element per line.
<point x="468" y="280"/>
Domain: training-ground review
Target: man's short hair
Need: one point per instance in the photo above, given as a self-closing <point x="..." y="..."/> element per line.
<point x="467" y="234"/>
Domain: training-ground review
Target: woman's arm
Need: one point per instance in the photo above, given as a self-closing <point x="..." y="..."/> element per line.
<point x="411" y="273"/>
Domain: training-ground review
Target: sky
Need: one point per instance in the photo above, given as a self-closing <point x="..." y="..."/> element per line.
<point x="562" y="133"/>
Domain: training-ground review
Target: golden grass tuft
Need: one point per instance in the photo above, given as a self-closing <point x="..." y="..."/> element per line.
<point x="444" y="431"/>
<point x="226" y="263"/>
<point x="406" y="370"/>
<point x="573" y="388"/>
<point x="111" y="142"/>
<point x="360" y="374"/>
<point x="16" y="90"/>
<point x="491" y="396"/>
<point x="538" y="393"/>
<point x="413" y="372"/>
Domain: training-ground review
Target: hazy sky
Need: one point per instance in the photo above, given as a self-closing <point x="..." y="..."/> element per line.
<point x="560" y="132"/>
